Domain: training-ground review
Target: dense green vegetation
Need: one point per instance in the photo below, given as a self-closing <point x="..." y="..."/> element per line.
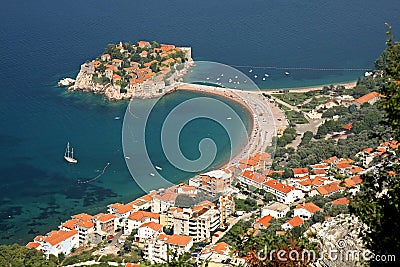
<point x="19" y="256"/>
<point x="247" y="204"/>
<point x="377" y="204"/>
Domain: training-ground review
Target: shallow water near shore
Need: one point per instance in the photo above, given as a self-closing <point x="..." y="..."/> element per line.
<point x="43" y="41"/>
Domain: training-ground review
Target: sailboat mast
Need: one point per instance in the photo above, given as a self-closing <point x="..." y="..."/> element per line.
<point x="72" y="153"/>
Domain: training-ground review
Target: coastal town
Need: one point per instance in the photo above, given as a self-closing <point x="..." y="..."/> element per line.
<point x="126" y="70"/>
<point x="196" y="219"/>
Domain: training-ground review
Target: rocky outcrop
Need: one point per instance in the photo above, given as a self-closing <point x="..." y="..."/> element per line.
<point x="66" y="82"/>
<point x="339" y="242"/>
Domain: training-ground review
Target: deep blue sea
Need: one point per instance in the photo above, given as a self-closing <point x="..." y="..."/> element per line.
<point x="42" y="41"/>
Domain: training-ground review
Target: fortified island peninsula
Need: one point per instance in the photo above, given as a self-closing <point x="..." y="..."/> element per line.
<point x="126" y="70"/>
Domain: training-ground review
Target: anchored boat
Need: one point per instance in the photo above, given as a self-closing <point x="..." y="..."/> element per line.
<point x="69" y="155"/>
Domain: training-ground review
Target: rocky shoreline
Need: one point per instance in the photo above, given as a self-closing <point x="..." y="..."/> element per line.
<point x="154" y="87"/>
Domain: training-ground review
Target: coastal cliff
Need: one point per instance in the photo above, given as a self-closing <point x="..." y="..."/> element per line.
<point x="142" y="70"/>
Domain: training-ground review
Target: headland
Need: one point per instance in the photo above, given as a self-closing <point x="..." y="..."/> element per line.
<point x="140" y="70"/>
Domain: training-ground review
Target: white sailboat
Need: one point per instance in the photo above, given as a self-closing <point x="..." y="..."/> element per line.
<point x="69" y="155"/>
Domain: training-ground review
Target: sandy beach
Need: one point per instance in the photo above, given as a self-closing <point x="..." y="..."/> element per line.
<point x="264" y="127"/>
<point x="347" y="85"/>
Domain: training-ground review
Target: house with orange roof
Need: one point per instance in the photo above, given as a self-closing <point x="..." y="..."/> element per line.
<point x="148" y="230"/>
<point x="300" y="172"/>
<point x="291" y="223"/>
<point x="370" y="98"/>
<point x="331" y="160"/>
<point x="353" y="181"/>
<point x="56" y="242"/>
<point x="341" y="201"/>
<point x="306" y="210"/>
<point x="117" y="63"/>
<point x="144" y="53"/>
<point x="132" y="264"/>
<point x="253" y="178"/>
<point x="284" y="193"/>
<point x="276" y="210"/>
<point x="106" y="57"/>
<point x="138" y="218"/>
<point x="156" y="250"/>
<point x="366" y="156"/>
<point x="104" y="224"/>
<point x="163" y="200"/>
<point x="142" y="203"/>
<point x="320" y="166"/>
<point x="348" y="126"/>
<point x="121" y="212"/>
<point x="329" y="189"/>
<point x="307" y="184"/>
<point x="318" y="173"/>
<point x="85" y="229"/>
<point x="217" y="255"/>
<point x="263" y="222"/>
<point x="144" y="44"/>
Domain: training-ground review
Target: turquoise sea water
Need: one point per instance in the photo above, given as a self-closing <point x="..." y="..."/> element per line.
<point x="42" y="41"/>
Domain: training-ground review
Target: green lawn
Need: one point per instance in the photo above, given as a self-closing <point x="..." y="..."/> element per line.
<point x="293" y="99"/>
<point x="295" y="117"/>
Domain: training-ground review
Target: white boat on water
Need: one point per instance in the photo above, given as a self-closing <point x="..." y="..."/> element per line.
<point x="127" y="157"/>
<point x="152" y="174"/>
<point x="159" y="168"/>
<point x="287" y="73"/>
<point x="229" y="118"/>
<point x="69" y="155"/>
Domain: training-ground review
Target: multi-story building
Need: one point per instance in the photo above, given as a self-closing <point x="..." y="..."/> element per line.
<point x="138" y="218"/>
<point x="200" y="222"/>
<point x="56" y="242"/>
<point x="156" y="250"/>
<point x="226" y="207"/>
<point x="284" y="193"/>
<point x="216" y="181"/>
<point x="104" y="224"/>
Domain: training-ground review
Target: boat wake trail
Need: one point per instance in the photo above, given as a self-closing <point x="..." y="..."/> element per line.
<point x="95" y="178"/>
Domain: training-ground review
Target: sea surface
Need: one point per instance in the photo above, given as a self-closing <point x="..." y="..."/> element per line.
<point x="42" y="41"/>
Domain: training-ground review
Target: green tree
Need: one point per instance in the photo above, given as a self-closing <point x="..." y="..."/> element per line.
<point x="377" y="204"/>
<point x="389" y="63"/>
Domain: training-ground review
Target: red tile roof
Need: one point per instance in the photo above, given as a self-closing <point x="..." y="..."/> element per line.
<point x="265" y="220"/>
<point x="104" y="217"/>
<point x="352" y="181"/>
<point x="348" y="126"/>
<point x="32" y="245"/>
<point x="279" y="186"/>
<point x="178" y="240"/>
<point x="295" y="221"/>
<point x="341" y="201"/>
<point x="82" y="217"/>
<point x="155" y="226"/>
<point x="311" y="207"/>
<point x="367" y="97"/>
<point x="220" y="248"/>
<point x="138" y="215"/>
<point x="329" y="188"/>
<point x="55" y="237"/>
<point x="300" y="171"/>
<point x="331" y="160"/>
<point x="368" y="150"/>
